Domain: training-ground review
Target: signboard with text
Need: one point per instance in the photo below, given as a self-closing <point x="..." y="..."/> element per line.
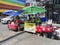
<point x="30" y="27"/>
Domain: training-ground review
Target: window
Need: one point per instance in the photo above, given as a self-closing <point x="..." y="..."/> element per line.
<point x="56" y="1"/>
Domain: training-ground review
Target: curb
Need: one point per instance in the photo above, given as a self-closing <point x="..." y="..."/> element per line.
<point x="10" y="37"/>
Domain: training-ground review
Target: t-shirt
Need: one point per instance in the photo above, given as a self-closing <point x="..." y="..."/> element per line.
<point x="17" y="21"/>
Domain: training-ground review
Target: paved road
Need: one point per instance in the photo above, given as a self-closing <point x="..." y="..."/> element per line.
<point x="4" y="32"/>
<point x="25" y="38"/>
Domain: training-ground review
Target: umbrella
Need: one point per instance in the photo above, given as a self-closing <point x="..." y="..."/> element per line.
<point x="13" y="13"/>
<point x="33" y="10"/>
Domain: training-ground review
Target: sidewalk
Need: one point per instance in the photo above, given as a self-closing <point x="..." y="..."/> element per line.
<point x="5" y="32"/>
<point x="5" y="35"/>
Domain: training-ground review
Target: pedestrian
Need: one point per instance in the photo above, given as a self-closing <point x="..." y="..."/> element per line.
<point x="17" y="22"/>
<point x="9" y="25"/>
<point x="14" y="26"/>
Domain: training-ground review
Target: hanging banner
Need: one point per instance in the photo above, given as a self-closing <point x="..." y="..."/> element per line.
<point x="30" y="27"/>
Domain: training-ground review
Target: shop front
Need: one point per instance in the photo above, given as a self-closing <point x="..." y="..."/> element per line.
<point x="56" y="13"/>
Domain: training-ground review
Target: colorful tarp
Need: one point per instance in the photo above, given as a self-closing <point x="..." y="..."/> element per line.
<point x="13" y="13"/>
<point x="11" y="5"/>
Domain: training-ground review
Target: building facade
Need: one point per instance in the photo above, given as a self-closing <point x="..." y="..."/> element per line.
<point x="53" y="9"/>
<point x="56" y="10"/>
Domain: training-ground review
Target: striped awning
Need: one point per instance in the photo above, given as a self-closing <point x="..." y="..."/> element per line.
<point x="11" y="5"/>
